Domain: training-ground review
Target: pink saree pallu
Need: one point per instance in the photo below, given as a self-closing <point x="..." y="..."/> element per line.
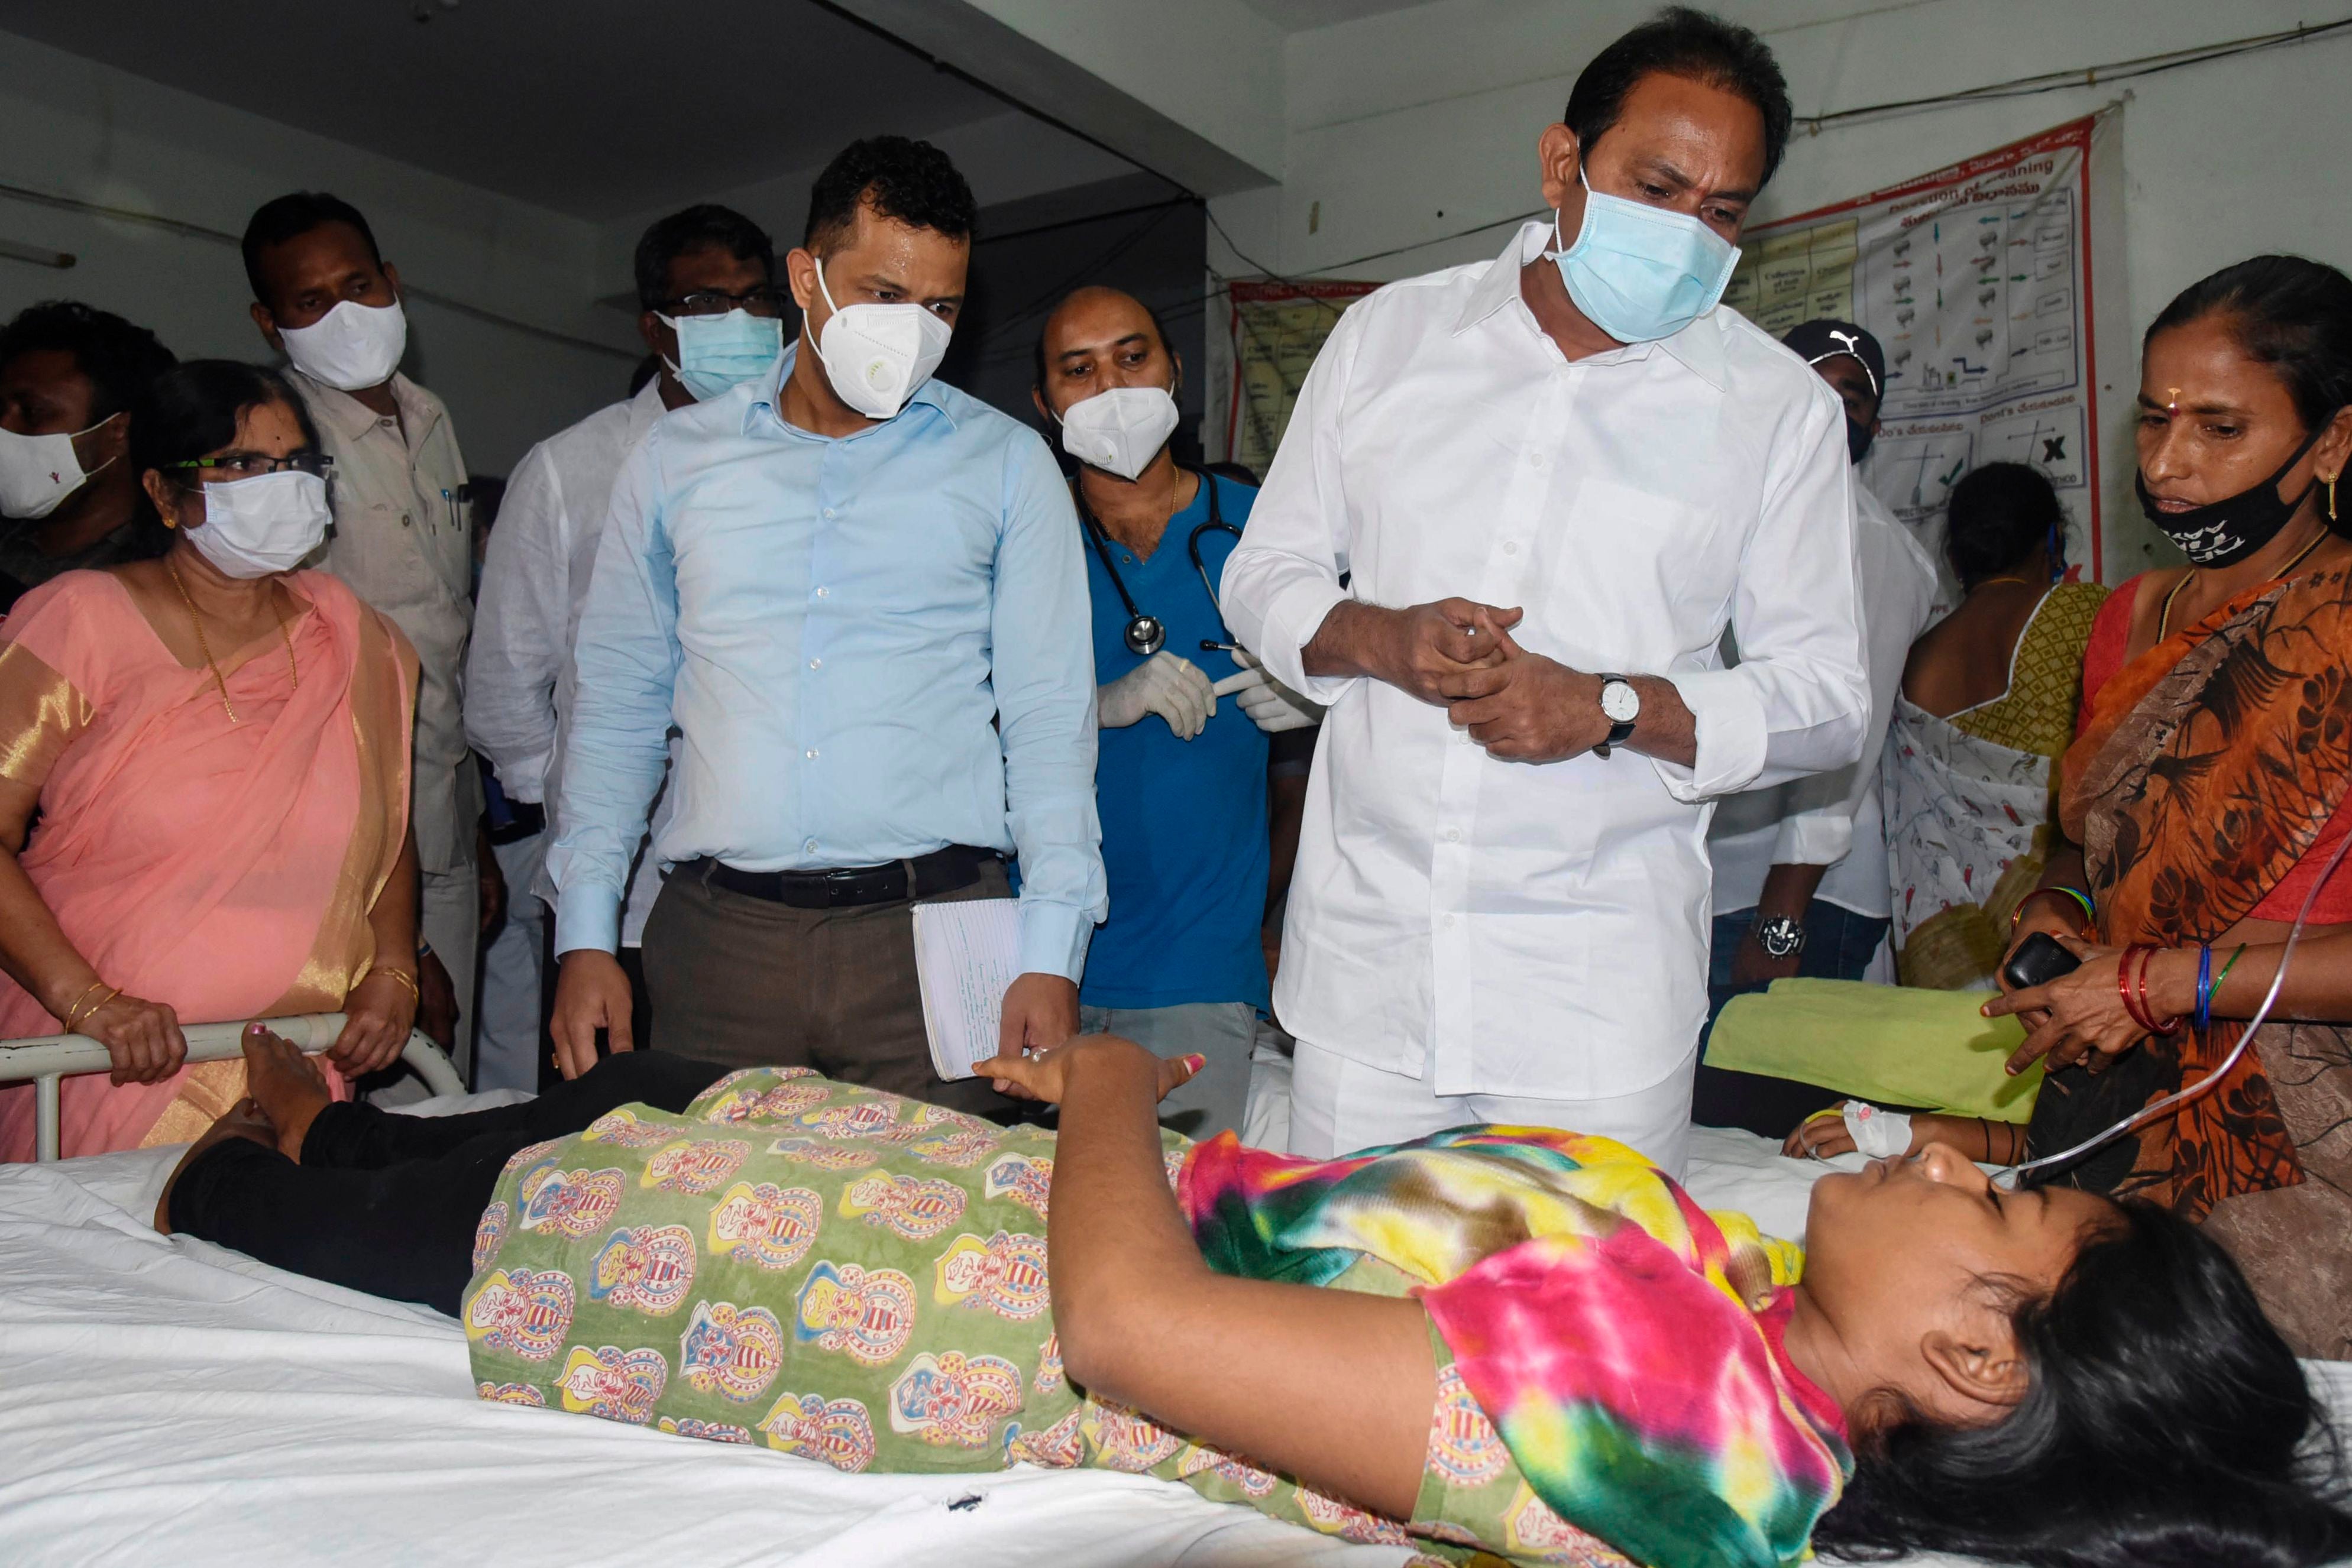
<point x="226" y="867"/>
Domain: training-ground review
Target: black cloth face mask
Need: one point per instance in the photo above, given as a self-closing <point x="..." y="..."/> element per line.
<point x="1858" y="437"/>
<point x="2225" y="532"/>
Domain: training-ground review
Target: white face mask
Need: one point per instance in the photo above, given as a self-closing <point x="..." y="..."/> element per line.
<point x="1119" y="430"/>
<point x="350" y="348"/>
<point x="39" y="472"/>
<point x="262" y="525"/>
<point x="876" y="355"/>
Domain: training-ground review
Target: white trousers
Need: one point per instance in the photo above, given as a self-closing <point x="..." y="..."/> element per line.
<point x="1338" y="1106"/>
<point x="450" y="917"/>
<point x="506" y="1034"/>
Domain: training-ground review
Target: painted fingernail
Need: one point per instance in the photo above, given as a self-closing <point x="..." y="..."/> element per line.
<point x="1193" y="1061"/>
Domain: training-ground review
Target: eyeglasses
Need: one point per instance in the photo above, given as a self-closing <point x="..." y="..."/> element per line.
<point x="249" y="464"/>
<point x="710" y="302"/>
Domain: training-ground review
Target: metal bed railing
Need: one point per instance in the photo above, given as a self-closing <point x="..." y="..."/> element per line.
<point x="47" y="1059"/>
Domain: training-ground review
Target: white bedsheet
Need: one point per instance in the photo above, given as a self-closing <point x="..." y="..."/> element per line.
<point x="163" y="1399"/>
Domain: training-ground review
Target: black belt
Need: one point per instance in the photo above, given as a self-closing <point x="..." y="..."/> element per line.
<point x="942" y="871"/>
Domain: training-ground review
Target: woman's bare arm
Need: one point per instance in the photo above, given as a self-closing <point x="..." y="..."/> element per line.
<point x="1335" y="1388"/>
<point x="142" y="1038"/>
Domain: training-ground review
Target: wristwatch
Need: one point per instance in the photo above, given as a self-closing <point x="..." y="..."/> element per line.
<point x="1620" y="704"/>
<point x="1782" y="936"/>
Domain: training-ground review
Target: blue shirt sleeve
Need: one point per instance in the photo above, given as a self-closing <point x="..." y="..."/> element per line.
<point x="1044" y="672"/>
<point x="616" y="745"/>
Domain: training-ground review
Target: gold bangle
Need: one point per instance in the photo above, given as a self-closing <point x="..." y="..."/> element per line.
<point x="75" y="1007"/>
<point x="405" y="978"/>
<point x="94" y="1008"/>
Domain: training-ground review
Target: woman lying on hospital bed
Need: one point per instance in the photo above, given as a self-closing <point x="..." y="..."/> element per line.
<point x="1529" y="1343"/>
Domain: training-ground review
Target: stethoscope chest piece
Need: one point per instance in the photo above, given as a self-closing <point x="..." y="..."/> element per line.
<point x="1145" y="635"/>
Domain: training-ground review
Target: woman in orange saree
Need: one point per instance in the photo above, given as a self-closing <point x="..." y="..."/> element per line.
<point x="2203" y="799"/>
<point x="204" y="766"/>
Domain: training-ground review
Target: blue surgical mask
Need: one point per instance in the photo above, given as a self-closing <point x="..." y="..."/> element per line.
<point x="1638" y="272"/>
<point x="718" y="353"/>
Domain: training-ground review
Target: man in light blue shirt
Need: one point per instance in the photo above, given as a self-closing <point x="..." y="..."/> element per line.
<point x="857" y="594"/>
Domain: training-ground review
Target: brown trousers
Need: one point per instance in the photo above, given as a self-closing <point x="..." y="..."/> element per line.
<point x="747" y="983"/>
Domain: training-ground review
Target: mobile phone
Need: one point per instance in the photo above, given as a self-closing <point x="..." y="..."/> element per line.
<point x="2038" y="961"/>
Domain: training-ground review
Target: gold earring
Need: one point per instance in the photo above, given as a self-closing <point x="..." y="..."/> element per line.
<point x="2331" y="500"/>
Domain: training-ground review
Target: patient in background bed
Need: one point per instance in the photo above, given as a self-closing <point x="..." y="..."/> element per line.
<point x="1505" y="1339"/>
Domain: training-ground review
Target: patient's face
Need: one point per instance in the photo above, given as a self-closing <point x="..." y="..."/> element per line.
<point x="1900" y="1246"/>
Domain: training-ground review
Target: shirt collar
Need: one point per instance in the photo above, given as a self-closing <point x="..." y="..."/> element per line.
<point x="1697" y="348"/>
<point x="762" y="405"/>
<point x="350" y="419"/>
<point x="644" y="408"/>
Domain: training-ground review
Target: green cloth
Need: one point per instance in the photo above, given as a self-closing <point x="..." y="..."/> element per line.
<point x="1894" y="1045"/>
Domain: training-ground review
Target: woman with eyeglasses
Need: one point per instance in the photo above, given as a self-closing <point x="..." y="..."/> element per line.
<point x="203" y="781"/>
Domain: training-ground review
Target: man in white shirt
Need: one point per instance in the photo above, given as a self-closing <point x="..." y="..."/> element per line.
<point x="1497" y="915"/>
<point x="705" y="273"/>
<point x="1801" y="884"/>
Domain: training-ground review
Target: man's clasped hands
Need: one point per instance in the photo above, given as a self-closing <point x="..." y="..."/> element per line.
<point x="1521" y="707"/>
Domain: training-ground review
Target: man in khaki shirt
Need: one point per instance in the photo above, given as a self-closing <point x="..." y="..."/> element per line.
<point x="403" y="539"/>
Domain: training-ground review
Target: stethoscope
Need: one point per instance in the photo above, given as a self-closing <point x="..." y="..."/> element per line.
<point x="1147" y="634"/>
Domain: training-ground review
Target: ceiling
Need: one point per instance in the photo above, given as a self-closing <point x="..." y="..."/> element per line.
<point x="1298" y="15"/>
<point x="524" y="97"/>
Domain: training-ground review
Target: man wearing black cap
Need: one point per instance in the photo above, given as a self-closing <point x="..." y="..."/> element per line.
<point x="1801" y="882"/>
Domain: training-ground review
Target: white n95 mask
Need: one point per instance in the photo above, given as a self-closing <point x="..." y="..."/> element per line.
<point x="262" y="525"/>
<point x="876" y="355"/>
<point x="39" y="472"/>
<point x="351" y="347"/>
<point x="1119" y="430"/>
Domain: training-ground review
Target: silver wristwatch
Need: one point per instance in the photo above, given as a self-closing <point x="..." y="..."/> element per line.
<point x="1620" y="704"/>
<point x="1782" y="936"/>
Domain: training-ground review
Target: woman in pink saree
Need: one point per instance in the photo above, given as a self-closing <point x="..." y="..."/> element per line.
<point x="204" y="783"/>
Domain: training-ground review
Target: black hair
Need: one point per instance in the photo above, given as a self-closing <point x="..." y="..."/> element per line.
<point x="192" y="408"/>
<point x="2165" y="1425"/>
<point x="1037" y="349"/>
<point x="1697" y="47"/>
<point x="2287" y="312"/>
<point x="119" y="357"/>
<point x="1999" y="513"/>
<point x="290" y="217"/>
<point x="707" y="226"/>
<point x="910" y="180"/>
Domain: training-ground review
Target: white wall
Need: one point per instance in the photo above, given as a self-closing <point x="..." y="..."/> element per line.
<point x="1006" y="157"/>
<point x="71" y="127"/>
<point x="1411" y="125"/>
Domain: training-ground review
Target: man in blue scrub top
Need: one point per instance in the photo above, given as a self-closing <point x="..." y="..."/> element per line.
<point x="1181" y="777"/>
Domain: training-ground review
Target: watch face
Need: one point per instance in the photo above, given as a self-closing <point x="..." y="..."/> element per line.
<point x="1781" y="936"/>
<point x="1620" y="701"/>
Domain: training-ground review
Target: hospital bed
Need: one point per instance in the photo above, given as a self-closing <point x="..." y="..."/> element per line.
<point x="166" y="1399"/>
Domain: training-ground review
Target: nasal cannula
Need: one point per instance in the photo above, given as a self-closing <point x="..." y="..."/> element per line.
<point x="2006" y="1178"/>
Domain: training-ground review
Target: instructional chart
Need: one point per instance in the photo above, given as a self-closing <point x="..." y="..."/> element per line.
<point x="1277" y="331"/>
<point x="1977" y="281"/>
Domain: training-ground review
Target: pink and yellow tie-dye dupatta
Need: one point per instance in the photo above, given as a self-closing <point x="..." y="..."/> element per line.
<point x="1624" y="1341"/>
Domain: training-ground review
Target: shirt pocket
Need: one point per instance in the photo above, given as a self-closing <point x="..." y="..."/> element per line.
<point x="1644" y="577"/>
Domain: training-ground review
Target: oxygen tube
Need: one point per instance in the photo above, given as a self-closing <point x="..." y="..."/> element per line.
<point x="2008" y="1177"/>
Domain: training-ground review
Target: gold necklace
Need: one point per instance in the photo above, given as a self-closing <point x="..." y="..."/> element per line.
<point x="203" y="645"/>
<point x="2164" y="616"/>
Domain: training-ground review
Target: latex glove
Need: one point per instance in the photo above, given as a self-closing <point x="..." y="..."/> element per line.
<point x="1270" y="705"/>
<point x="1171" y="688"/>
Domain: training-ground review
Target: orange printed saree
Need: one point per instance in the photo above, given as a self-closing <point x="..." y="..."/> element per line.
<point x="226" y="869"/>
<point x="2207" y="769"/>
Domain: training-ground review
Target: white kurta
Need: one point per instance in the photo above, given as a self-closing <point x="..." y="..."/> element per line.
<point x="1507" y="928"/>
<point x="519" y="677"/>
<point x="1835" y="819"/>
